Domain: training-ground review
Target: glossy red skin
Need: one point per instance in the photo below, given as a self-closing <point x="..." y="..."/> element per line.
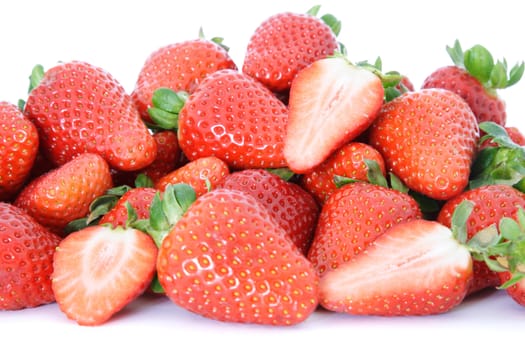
<point x="26" y="261"/>
<point x="486" y="106"/>
<point x="516" y="291"/>
<point x="235" y="118"/>
<point x="80" y="108"/>
<point x="491" y="203"/>
<point x="139" y="198"/>
<point x="293" y="208"/>
<point x="284" y="44"/>
<point x="18" y="149"/>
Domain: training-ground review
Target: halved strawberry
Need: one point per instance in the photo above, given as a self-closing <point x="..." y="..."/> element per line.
<point x="97" y="271"/>
<point x="331" y="103"/>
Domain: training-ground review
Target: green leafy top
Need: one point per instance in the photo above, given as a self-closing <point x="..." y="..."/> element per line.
<point x="479" y="62"/>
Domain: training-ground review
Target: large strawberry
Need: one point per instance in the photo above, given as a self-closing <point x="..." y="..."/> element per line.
<point x="97" y="271"/>
<point x="235" y="118"/>
<point x="428" y="138"/>
<point x="353" y="217"/>
<point x="285" y="43"/>
<point x="18" y="149"/>
<point x="80" y="108"/>
<point x="181" y="67"/>
<point x="476" y="78"/>
<point x="331" y="103"/>
<point x="65" y="193"/>
<point x="26" y="261"/>
<point x="293" y="208"/>
<point x="227" y="259"/>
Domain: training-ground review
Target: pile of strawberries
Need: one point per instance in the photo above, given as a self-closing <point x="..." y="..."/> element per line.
<point x="257" y="194"/>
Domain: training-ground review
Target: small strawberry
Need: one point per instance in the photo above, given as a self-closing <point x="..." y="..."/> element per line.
<point x="18" y="149"/>
<point x="285" y="43"/>
<point x="140" y="199"/>
<point x="515" y="291"/>
<point x="202" y="174"/>
<point x="347" y="161"/>
<point x="180" y="67"/>
<point x="331" y="103"/>
<point x="352" y="218"/>
<point x="416" y="267"/>
<point x="293" y="208"/>
<point x="65" y="193"/>
<point x="491" y="204"/>
<point x="79" y="108"/>
<point x="235" y="118"/>
<point x="227" y="259"/>
<point x="26" y="261"/>
<point x="476" y="78"/>
<point x="428" y="139"/>
<point x="99" y="270"/>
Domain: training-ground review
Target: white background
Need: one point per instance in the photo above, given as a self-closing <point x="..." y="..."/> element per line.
<point x="410" y="36"/>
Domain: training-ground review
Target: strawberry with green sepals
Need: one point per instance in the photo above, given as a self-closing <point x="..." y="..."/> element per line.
<point x="331" y="103"/>
<point x="491" y="204"/>
<point x="26" y="262"/>
<point x="80" y="108"/>
<point x="180" y="67"/>
<point x="227" y="259"/>
<point x="293" y="208"/>
<point x="140" y="199"/>
<point x="476" y="78"/>
<point x="428" y="139"/>
<point x="235" y="118"/>
<point x="18" y="149"/>
<point x="347" y="161"/>
<point x="98" y="270"/>
<point x="65" y="193"/>
<point x="285" y="43"/>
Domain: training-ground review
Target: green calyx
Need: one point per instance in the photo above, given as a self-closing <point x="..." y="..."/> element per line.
<point x="392" y="80"/>
<point x="502" y="164"/>
<point x="167" y="105"/>
<point x="479" y="63"/>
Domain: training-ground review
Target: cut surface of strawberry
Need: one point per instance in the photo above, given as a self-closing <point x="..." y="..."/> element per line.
<point x="99" y="270"/>
<point x="331" y="103"/>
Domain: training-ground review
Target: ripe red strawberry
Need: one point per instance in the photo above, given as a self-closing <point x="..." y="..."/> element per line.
<point x="476" y="78"/>
<point x="26" y="261"/>
<point x="285" y="43"/>
<point x="202" y="174"/>
<point x="99" y="270"/>
<point x="347" y="161"/>
<point x="428" y="138"/>
<point x="416" y="267"/>
<point x="181" y="67"/>
<point x="65" y="193"/>
<point x="18" y="149"/>
<point x="235" y="118"/>
<point x="293" y="208"/>
<point x="331" y="103"/>
<point x="517" y="290"/>
<point x="491" y="204"/>
<point x="352" y="218"/>
<point x="227" y="259"/>
<point x="139" y="198"/>
<point x="79" y="108"/>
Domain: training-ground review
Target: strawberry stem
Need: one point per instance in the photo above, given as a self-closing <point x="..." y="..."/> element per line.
<point x="167" y="105"/>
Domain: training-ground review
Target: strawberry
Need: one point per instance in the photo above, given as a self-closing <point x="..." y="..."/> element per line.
<point x="517" y="290"/>
<point x="428" y="139"/>
<point x="235" y="118"/>
<point x="352" y="218"/>
<point x="331" y="103"/>
<point x="491" y="204"/>
<point x="202" y="174"/>
<point x="79" y="108"/>
<point x="294" y="209"/>
<point x="26" y="261"/>
<point x="416" y="267"/>
<point x="18" y="149"/>
<point x="347" y="161"/>
<point x="476" y="78"/>
<point x="139" y="198"/>
<point x="181" y="67"/>
<point x="65" y="193"/>
<point x="285" y="43"/>
<point x="226" y="259"/>
<point x="99" y="270"/>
